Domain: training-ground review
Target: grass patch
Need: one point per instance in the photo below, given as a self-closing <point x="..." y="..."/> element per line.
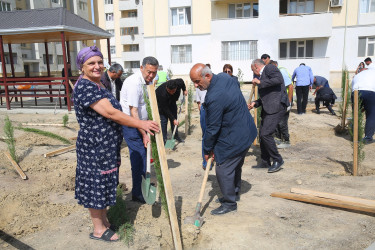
<point x="45" y="133"/>
<point x="117" y="216"/>
<point x="65" y="120"/>
<point x="9" y="140"/>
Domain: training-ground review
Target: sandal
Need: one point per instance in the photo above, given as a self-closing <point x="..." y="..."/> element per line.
<point x="106" y="236"/>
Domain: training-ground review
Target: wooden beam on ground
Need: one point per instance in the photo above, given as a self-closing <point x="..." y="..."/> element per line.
<point x="333" y="196"/>
<point x="164" y="169"/>
<point x="60" y="151"/>
<point x="73" y="138"/>
<point x="355" y="134"/>
<point x="326" y="202"/>
<point x="16" y="166"/>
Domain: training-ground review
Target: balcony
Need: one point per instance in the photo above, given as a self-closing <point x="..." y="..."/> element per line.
<point x="132" y="55"/>
<point x="127" y="5"/>
<point x="130" y="22"/>
<point x="131" y="39"/>
<point x="305" y="25"/>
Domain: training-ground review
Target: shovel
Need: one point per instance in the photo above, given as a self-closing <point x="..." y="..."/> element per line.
<point x="148" y="190"/>
<point x="172" y="142"/>
<point x="197" y="219"/>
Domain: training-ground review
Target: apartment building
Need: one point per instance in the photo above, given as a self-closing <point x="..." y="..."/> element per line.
<point x="124" y="19"/>
<point x="324" y="34"/>
<point x="30" y="59"/>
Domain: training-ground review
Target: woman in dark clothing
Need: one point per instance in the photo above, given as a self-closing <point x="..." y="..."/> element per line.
<point x="99" y="139"/>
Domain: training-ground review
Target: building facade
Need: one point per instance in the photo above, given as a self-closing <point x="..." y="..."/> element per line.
<point x="327" y="35"/>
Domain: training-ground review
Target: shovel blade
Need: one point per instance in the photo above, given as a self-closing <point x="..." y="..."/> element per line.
<point x="170" y="144"/>
<point x="148" y="190"/>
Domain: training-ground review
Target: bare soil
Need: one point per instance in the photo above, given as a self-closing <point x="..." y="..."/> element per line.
<point x="41" y="212"/>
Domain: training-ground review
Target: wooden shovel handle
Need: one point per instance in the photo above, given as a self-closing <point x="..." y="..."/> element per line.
<point x="251" y="94"/>
<point x="148" y="163"/>
<point x="208" y="166"/>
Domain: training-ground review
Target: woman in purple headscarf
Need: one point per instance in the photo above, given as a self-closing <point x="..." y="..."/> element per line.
<point x="99" y="139"/>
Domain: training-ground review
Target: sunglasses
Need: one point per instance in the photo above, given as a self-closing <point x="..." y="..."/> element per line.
<point x="228" y="71"/>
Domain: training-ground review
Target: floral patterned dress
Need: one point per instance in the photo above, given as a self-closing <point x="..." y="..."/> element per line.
<point x="98" y="148"/>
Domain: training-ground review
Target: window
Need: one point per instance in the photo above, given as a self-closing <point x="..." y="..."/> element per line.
<point x="111" y="31"/>
<point x="132" y="14"/>
<point x="113" y="49"/>
<point x="24" y="56"/>
<point x="129" y="31"/>
<point x="366" y="46"/>
<point x="240" y="10"/>
<point x="108" y="2"/>
<point x="181" y="54"/>
<point x="55" y="1"/>
<point x="296" y="49"/>
<point x="109" y="16"/>
<point x="131" y="47"/>
<point x="5" y="6"/>
<point x="7" y="59"/>
<point x="82" y="5"/>
<point x="50" y="57"/>
<point x="301" y="6"/>
<point x="367" y="6"/>
<point x="181" y="16"/>
<point x="134" y="64"/>
<point x="23" y="45"/>
<point x="239" y="50"/>
<point x="60" y="59"/>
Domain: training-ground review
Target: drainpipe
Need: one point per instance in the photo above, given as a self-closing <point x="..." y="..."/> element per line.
<point x="93" y="15"/>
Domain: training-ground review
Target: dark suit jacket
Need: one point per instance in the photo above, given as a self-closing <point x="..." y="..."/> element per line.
<point x="230" y="128"/>
<point x="272" y="91"/>
<point x="107" y="83"/>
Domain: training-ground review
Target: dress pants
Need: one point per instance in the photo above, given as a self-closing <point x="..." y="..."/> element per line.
<point x="368" y="102"/>
<point x="267" y="143"/>
<point x="164" y="123"/>
<point x="228" y="176"/>
<point x="203" y="127"/>
<point x="302" y="93"/>
<point x="282" y="130"/>
<point x="326" y="103"/>
<point x="138" y="157"/>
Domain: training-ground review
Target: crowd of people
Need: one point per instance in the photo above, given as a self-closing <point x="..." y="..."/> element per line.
<point x="109" y="111"/>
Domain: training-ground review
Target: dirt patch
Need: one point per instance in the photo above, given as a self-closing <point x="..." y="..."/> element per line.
<point x="42" y="213"/>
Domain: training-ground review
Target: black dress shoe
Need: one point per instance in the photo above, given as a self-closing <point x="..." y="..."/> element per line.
<point x="263" y="165"/>
<point x="139" y="199"/>
<point x="223" y="210"/>
<point x="276" y="166"/>
<point x="221" y="200"/>
<point x="179" y="140"/>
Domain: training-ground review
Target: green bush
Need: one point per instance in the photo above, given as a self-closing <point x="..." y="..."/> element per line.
<point x="65" y="120"/>
<point x="10" y="141"/>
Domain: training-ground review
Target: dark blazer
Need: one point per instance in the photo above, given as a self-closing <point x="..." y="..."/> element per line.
<point x="167" y="102"/>
<point x="107" y="83"/>
<point x="230" y="128"/>
<point x="272" y="91"/>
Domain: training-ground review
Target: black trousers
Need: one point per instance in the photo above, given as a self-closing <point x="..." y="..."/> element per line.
<point x="282" y="130"/>
<point x="326" y="103"/>
<point x="268" y="126"/>
<point x="164" y="123"/>
<point x="228" y="175"/>
<point x="302" y="93"/>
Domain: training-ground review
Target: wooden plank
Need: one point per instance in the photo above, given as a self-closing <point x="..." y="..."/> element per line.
<point x="164" y="169"/>
<point x="327" y="202"/>
<point x="59" y="151"/>
<point x="187" y="125"/>
<point x="73" y="138"/>
<point x="345" y="101"/>
<point x="355" y="134"/>
<point x="333" y="196"/>
<point x="16" y="166"/>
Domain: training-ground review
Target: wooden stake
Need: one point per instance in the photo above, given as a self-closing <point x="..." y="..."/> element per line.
<point x="59" y="151"/>
<point x="327" y="202"/>
<point x="16" y="166"/>
<point x="355" y="134"/>
<point x="256" y="113"/>
<point x="333" y="196"/>
<point x="164" y="169"/>
<point x="187" y="125"/>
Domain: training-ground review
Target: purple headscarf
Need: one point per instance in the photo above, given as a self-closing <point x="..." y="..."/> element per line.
<point x="87" y="53"/>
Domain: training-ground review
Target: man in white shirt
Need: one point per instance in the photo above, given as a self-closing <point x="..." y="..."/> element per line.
<point x="364" y="82"/>
<point x="369" y="63"/>
<point x="133" y="104"/>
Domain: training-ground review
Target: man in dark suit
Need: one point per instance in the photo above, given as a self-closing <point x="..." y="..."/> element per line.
<point x="69" y="75"/>
<point x="111" y="79"/>
<point x="229" y="133"/>
<point x="274" y="100"/>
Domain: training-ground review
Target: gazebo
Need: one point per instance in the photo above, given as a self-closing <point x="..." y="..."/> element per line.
<point x="43" y="26"/>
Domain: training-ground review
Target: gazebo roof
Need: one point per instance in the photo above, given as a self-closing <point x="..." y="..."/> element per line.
<point x="45" y="25"/>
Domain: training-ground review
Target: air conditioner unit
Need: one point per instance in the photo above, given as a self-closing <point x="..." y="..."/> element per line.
<point x="336" y="3"/>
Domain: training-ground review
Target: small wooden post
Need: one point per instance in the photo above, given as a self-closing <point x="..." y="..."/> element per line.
<point x="16" y="166"/>
<point x="256" y="113"/>
<point x="164" y="169"/>
<point x="343" y="118"/>
<point x="355" y="134"/>
<point x="187" y="125"/>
